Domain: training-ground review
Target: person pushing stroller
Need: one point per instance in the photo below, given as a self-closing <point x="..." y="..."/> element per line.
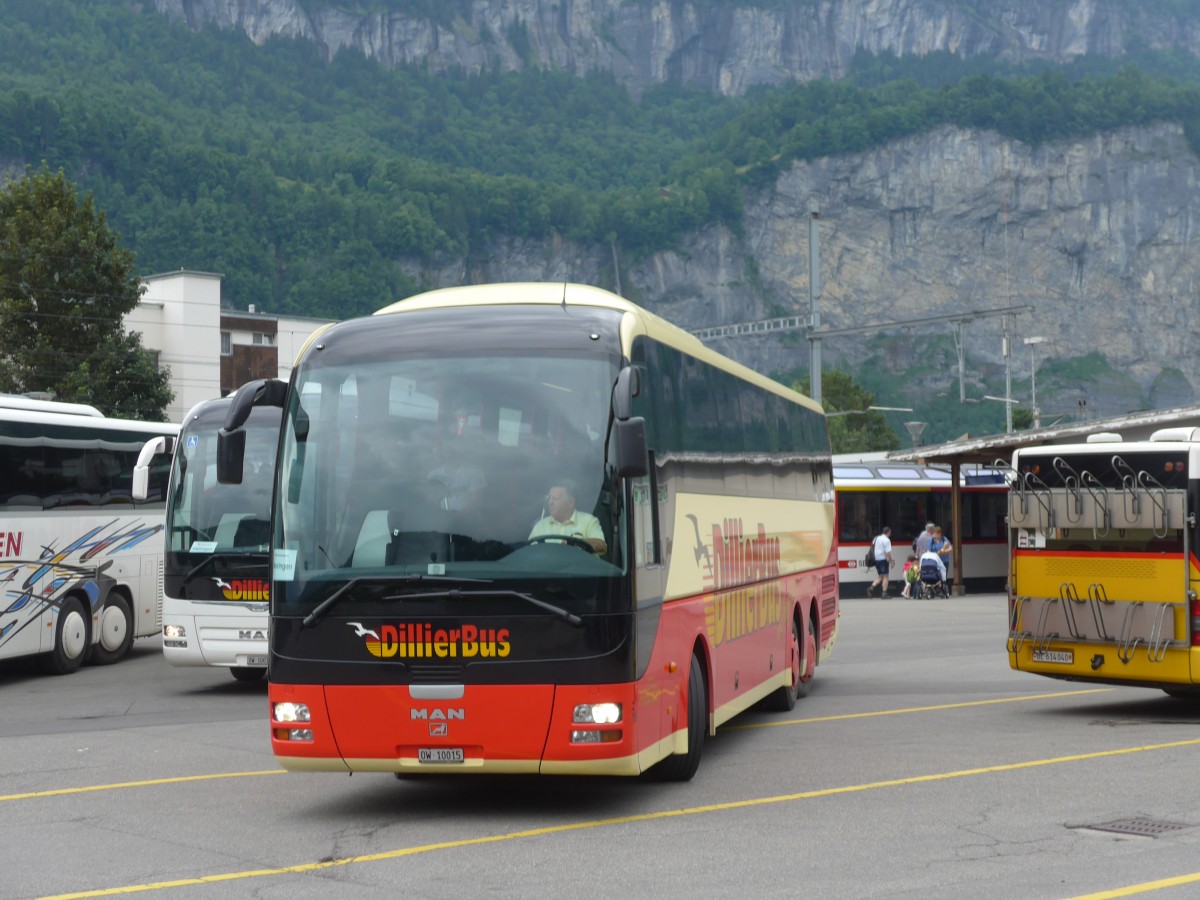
<point x="933" y="575"/>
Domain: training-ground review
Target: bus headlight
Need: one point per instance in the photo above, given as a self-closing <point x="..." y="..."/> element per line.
<point x="597" y="714"/>
<point x="174" y="631"/>
<point x="291" y="712"/>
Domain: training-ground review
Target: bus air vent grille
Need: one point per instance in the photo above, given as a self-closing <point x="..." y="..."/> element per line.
<point x="1101" y="569"/>
<point x="436" y="674"/>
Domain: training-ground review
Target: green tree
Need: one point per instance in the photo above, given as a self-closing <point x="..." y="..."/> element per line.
<point x="65" y="284"/>
<point x="858" y="429"/>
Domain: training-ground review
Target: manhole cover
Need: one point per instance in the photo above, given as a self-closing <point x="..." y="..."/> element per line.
<point x="1138" y="827"/>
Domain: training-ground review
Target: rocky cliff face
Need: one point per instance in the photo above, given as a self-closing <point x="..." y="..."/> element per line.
<point x="1094" y="236"/>
<point x="726" y="47"/>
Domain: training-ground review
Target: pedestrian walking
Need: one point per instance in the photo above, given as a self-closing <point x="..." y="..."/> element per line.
<point x="881" y="549"/>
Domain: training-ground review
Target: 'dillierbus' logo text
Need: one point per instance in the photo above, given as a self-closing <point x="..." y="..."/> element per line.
<point x="749" y="565"/>
<point x="244" y="588"/>
<point x="419" y="640"/>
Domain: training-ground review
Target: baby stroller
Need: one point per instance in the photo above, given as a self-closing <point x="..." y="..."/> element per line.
<point x="931" y="583"/>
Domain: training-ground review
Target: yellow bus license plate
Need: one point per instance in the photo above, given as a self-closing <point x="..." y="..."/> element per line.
<point x="1062" y="657"/>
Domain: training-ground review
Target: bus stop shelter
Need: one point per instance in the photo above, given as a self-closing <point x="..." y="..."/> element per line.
<point x="997" y="449"/>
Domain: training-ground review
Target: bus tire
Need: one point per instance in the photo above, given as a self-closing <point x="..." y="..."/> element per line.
<point x="247" y="673"/>
<point x="71" y="639"/>
<point x="809" y="658"/>
<point x="683" y="767"/>
<point x="116" y="631"/>
<point x="784" y="699"/>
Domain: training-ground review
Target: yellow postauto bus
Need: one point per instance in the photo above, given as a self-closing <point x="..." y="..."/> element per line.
<point x="1104" y="573"/>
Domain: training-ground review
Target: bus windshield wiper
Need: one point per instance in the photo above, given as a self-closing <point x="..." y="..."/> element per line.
<point x="333" y="599"/>
<point x="241" y="556"/>
<point x="454" y="594"/>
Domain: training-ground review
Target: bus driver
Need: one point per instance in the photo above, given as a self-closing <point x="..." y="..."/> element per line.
<point x="565" y="519"/>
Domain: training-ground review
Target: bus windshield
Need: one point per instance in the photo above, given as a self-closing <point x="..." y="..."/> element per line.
<point x="205" y="517"/>
<point x="410" y="476"/>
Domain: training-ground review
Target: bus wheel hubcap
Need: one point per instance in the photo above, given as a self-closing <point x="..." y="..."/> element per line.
<point x="74" y="633"/>
<point x="112" y="629"/>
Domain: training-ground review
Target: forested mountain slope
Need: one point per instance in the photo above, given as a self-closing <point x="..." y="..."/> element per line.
<point x="328" y="184"/>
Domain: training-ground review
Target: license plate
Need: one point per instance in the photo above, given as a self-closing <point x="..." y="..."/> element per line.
<point x="440" y="755"/>
<point x="1063" y="657"/>
<point x="256" y="660"/>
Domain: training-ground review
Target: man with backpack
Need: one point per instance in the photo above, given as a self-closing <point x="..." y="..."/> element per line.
<point x="881" y="552"/>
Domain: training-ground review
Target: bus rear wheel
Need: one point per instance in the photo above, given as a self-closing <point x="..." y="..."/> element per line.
<point x="116" y="631"/>
<point x="808" y="661"/>
<point x="683" y="767"/>
<point x="784" y="698"/>
<point x="71" y="639"/>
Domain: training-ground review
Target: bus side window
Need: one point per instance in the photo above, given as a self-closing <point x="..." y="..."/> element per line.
<point x="21" y="475"/>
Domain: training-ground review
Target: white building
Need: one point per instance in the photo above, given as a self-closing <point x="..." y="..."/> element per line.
<point x="211" y="351"/>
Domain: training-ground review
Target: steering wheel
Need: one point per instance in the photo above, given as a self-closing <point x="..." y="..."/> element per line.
<point x="562" y="538"/>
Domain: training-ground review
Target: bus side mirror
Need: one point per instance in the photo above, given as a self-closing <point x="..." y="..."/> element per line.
<point x="141" y="470"/>
<point x="231" y="439"/>
<point x="231" y="453"/>
<point x="264" y="392"/>
<point x="632" y="458"/>
<point x="628" y="386"/>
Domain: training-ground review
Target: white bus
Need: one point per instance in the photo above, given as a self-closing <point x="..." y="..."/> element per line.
<point x="215" y="570"/>
<point x="80" y="558"/>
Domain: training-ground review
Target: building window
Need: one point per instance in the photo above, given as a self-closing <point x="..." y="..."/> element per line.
<point x="226" y="343"/>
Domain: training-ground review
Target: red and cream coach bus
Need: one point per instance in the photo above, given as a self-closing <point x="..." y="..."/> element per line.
<point x="1104" y="539"/>
<point x="431" y="612"/>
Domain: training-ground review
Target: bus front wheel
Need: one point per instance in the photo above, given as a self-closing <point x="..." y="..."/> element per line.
<point x="247" y="673"/>
<point x="71" y="639"/>
<point x="683" y="767"/>
<point x="116" y="631"/>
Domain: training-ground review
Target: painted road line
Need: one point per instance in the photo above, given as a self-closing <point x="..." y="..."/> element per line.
<point x="179" y="779"/>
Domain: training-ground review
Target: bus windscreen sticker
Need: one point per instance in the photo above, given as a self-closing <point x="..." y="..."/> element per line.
<point x="284" y="568"/>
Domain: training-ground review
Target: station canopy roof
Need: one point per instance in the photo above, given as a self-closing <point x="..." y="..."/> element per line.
<point x="986" y="450"/>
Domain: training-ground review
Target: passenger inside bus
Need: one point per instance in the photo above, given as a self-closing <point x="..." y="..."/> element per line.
<point x="461" y="481"/>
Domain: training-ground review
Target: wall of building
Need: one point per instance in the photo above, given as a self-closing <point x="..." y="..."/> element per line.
<point x="180" y="318"/>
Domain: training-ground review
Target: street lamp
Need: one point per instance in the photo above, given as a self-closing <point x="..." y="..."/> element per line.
<point x="915" y="429"/>
<point x="1032" y="342"/>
